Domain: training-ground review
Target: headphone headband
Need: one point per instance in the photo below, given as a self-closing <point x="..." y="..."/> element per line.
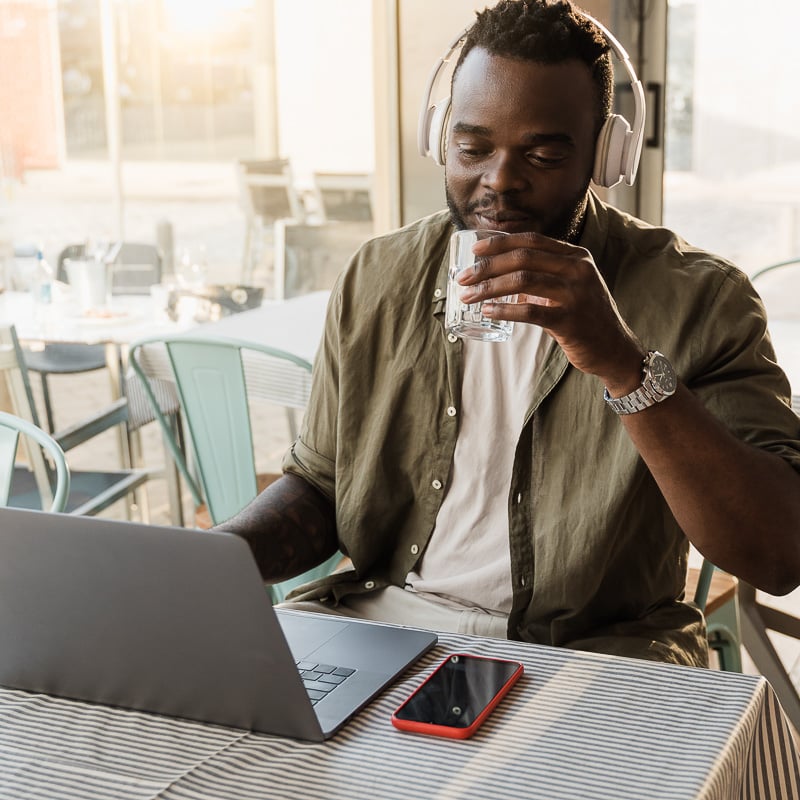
<point x="619" y="145"/>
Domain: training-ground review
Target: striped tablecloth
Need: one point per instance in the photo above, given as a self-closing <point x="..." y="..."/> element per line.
<point x="576" y="726"/>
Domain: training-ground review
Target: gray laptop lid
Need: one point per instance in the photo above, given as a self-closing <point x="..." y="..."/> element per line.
<point x="174" y="621"/>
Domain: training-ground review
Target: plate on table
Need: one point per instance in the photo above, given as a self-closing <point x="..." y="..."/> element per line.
<point x="110" y="316"/>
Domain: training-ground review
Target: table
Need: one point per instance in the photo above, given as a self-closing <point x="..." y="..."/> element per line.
<point x="135" y="316"/>
<point x="578" y="725"/>
<point x="293" y="325"/>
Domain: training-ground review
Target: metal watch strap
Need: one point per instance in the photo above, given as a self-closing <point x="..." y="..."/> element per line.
<point x="637" y="400"/>
<point x="644" y="397"/>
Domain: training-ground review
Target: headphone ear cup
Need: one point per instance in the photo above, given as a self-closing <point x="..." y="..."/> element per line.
<point x="437" y="131"/>
<point x="610" y="151"/>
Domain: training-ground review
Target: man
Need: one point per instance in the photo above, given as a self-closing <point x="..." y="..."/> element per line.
<point x="490" y="487"/>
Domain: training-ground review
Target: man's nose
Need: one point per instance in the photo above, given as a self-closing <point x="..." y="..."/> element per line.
<point x="504" y="173"/>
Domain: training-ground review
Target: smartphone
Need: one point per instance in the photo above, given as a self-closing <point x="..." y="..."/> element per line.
<point x="458" y="696"/>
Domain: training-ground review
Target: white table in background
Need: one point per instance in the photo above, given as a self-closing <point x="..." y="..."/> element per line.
<point x="130" y="318"/>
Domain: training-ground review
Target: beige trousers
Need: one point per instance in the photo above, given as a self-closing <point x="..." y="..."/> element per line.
<point x="401" y="607"/>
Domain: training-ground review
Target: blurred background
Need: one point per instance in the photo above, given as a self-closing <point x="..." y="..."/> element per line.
<point x="144" y="120"/>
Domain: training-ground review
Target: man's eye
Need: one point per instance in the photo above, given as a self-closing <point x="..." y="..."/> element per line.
<point x="472" y="151"/>
<point x="546" y="159"/>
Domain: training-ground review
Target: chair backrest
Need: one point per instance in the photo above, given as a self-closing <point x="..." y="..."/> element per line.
<point x="137" y="266"/>
<point x="70" y="251"/>
<point x="309" y="258"/>
<point x="268" y="191"/>
<point x="344" y="196"/>
<point x="212" y="376"/>
<point x="779" y="287"/>
<point x="17" y="384"/>
<point x="11" y="427"/>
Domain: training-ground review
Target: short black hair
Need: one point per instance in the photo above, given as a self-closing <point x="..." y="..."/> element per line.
<point x="549" y="32"/>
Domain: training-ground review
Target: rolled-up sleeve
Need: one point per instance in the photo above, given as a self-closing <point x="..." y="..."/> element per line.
<point x="738" y="378"/>
<point x="313" y="454"/>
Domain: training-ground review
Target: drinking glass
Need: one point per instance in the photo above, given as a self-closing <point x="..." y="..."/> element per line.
<point x="466" y="319"/>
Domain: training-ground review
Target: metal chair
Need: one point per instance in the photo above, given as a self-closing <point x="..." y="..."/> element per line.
<point x="343" y="196"/>
<point x="779" y="287"/>
<point x="11" y="428"/>
<point x="212" y="376"/>
<point x="91" y="491"/>
<point x="715" y="593"/>
<point x="136" y="267"/>
<point x="267" y="193"/>
<point x="757" y="619"/>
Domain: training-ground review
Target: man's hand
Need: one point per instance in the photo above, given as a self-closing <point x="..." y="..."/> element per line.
<point x="559" y="288"/>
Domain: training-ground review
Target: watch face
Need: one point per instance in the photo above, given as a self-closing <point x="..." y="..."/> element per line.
<point x="662" y="374"/>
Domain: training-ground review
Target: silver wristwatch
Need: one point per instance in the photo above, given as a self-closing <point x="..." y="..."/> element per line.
<point x="658" y="383"/>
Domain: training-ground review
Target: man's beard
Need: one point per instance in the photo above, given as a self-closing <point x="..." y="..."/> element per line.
<point x="566" y="228"/>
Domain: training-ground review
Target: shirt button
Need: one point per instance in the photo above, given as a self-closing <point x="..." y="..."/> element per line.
<point x="437" y="293"/>
<point x="451" y="412"/>
<point x="519" y="498"/>
<point x="522" y="580"/>
<point x="451" y="337"/>
<point x="369" y="585"/>
<point x="414" y="549"/>
<point x="437" y="484"/>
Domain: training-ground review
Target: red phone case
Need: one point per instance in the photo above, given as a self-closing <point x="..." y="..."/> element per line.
<point x="448" y="731"/>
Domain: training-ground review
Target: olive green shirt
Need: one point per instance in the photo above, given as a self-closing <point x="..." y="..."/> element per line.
<point x="597" y="560"/>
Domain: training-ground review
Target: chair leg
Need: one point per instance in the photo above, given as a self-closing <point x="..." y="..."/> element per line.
<point x="140" y="497"/>
<point x="48" y="408"/>
<point x="757" y="643"/>
<point x="173" y="477"/>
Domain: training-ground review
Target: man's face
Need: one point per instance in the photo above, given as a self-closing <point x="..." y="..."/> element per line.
<point x="521" y="145"/>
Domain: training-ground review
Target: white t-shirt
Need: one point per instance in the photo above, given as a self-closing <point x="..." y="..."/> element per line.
<point x="468" y="560"/>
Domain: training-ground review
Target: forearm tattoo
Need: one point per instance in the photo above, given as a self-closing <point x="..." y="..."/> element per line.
<point x="290" y="528"/>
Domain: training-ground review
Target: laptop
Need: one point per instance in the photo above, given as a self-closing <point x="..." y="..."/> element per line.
<point x="177" y="621"/>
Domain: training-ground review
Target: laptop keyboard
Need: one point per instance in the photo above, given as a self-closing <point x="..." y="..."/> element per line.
<point x="321" y="679"/>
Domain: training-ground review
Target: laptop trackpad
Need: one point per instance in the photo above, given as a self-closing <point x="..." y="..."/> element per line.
<point x="306" y="634"/>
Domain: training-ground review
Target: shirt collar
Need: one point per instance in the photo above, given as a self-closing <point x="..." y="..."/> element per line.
<point x="594" y="236"/>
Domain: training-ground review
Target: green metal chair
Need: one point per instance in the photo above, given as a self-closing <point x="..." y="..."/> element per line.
<point x="212" y="376"/>
<point x="720" y="605"/>
<point x="11" y="428"/>
<point x="91" y="490"/>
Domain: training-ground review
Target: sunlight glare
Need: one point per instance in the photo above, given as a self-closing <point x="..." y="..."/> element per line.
<point x="199" y="16"/>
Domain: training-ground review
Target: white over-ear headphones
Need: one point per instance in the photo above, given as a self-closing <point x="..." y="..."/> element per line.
<point x="618" y="147"/>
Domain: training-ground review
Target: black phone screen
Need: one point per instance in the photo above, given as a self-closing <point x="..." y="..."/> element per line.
<point x="458" y="691"/>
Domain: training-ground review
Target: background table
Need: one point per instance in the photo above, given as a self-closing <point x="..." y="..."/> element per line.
<point x="576" y="726"/>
